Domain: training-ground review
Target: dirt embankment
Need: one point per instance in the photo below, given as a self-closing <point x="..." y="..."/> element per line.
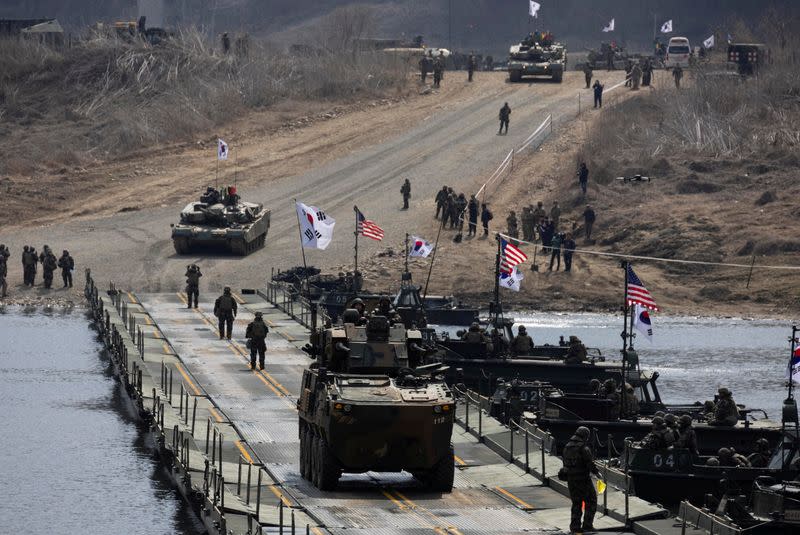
<point x="722" y="158"/>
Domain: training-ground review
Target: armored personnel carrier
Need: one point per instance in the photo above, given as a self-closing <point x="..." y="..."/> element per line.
<point x="224" y="220"/>
<point x="537" y="55"/>
<point x="364" y="407"/>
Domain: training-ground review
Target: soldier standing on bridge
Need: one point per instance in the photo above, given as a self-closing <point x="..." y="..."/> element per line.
<point x="225" y="310"/>
<point x="579" y="465"/>
<point x="405" y="189"/>
<point x="257" y="335"/>
<point x="505" y="116"/>
<point x="587" y="73"/>
<point x="193" y="284"/>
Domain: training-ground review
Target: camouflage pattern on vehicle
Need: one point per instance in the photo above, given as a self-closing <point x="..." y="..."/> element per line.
<point x="220" y="220"/>
<point x="364" y="407"/>
<point x="537" y="55"/>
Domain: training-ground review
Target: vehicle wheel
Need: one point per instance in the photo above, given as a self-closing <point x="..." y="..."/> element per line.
<point x="181" y="245"/>
<point x="313" y="465"/>
<point x="515" y="76"/>
<point x="329" y="471"/>
<point x="440" y="478"/>
<point x="304" y="471"/>
<point x="557" y="77"/>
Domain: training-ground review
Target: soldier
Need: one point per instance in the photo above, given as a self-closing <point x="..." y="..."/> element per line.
<point x="438" y="69"/>
<point x="193" y="275"/>
<point x="610" y="393"/>
<point x="610" y="58"/>
<point x="687" y="438"/>
<point x="3" y="274"/>
<point x="505" y="116"/>
<point x="226" y="43"/>
<point x="511" y="221"/>
<point x="555" y="214"/>
<point x="630" y="405"/>
<point x="587" y="73"/>
<point x="579" y="464"/>
<point x="486" y="216"/>
<point x="659" y="437"/>
<point x="729" y="457"/>
<point x="647" y="72"/>
<point x="358" y="305"/>
<point x="597" y="87"/>
<point x="576" y="352"/>
<point x="423" y="69"/>
<point x="386" y="310"/>
<point x="588" y="219"/>
<point x="67" y="264"/>
<point x="583" y="177"/>
<point x="499" y="343"/>
<point x="4" y="252"/>
<point x="441" y="200"/>
<point x="49" y="265"/>
<point x="726" y="413"/>
<point x="30" y="266"/>
<point x="671" y="422"/>
<point x="471" y="65"/>
<point x="677" y="73"/>
<point x="555" y="251"/>
<point x="538" y="216"/>
<point x="225" y="309"/>
<point x="461" y="206"/>
<point x="473" y="216"/>
<point x="760" y="458"/>
<point x="256" y="333"/>
<point x="522" y="343"/>
<point x="628" y="69"/>
<point x="474" y="335"/>
<point x="568" y="247"/>
<point x="453" y="211"/>
<point x="636" y="76"/>
<point x="527" y="223"/>
<point x="595" y="387"/>
<point x="405" y="189"/>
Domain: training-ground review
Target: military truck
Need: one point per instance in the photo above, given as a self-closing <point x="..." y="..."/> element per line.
<point x="224" y="220"/>
<point x="537" y="55"/>
<point x="365" y="407"/>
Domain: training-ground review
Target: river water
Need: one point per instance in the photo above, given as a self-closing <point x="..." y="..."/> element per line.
<point x="694" y="356"/>
<point x="73" y="459"/>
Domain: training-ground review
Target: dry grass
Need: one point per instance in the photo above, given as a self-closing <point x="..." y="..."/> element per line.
<point x="124" y="95"/>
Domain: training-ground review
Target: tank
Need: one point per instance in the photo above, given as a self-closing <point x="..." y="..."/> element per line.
<point x="537" y="55"/>
<point x="221" y="220"/>
<point x="365" y="406"/>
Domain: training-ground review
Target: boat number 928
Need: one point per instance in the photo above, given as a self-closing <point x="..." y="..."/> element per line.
<point x="661" y="460"/>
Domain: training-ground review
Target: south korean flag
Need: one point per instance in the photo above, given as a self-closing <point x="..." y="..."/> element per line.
<point x="511" y="280"/>
<point x="316" y="228"/>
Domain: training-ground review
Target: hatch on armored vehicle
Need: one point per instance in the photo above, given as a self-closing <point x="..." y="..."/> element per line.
<point x="221" y="219"/>
<point x="365" y="407"/>
<point x="537" y="55"/>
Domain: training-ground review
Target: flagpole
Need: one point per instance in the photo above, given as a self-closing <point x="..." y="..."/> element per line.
<point x="406" y="266"/>
<point x="497" y="281"/>
<point x="302" y="250"/>
<point x="625" y="309"/>
<point x="216" y="175"/>
<point x="791" y="356"/>
<point x="355" y="270"/>
<point x="433" y="258"/>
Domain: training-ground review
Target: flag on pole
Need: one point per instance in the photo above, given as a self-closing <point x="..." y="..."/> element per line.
<point x="793" y="372"/>
<point x="222" y="150"/>
<point x="709" y="43"/>
<point x="610" y="27"/>
<point x="420" y="247"/>
<point x="368" y="228"/>
<point x="511" y="280"/>
<point x="641" y="320"/>
<point x="533" y="8"/>
<point x="637" y="293"/>
<point x="667" y="27"/>
<point x="730" y="39"/>
<point x="316" y="228"/>
<point x="510" y="256"/>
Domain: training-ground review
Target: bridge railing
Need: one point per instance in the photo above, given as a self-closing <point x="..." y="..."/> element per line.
<point x="288" y="300"/>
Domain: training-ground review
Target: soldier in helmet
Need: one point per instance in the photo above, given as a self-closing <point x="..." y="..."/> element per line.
<point x="49" y="266"/>
<point x="386" y="310"/>
<point x="659" y="437"/>
<point x="610" y="393"/>
<point x="687" y="438"/>
<point x="225" y="309"/>
<point x="587" y="73"/>
<point x="3" y="270"/>
<point x="726" y="413"/>
<point x="760" y="458"/>
<point x="405" y="190"/>
<point x="522" y="343"/>
<point x="475" y="335"/>
<point x="595" y="387"/>
<point x="511" y="221"/>
<point x="67" y="264"/>
<point x="671" y="422"/>
<point x="257" y="335"/>
<point x="729" y="457"/>
<point x="358" y="305"/>
<point x="576" y="352"/>
<point x="441" y="201"/>
<point x="193" y="275"/>
<point x="630" y="404"/>
<point x="579" y="465"/>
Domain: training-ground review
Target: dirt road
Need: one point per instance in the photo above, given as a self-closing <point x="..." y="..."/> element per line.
<point x="359" y="158"/>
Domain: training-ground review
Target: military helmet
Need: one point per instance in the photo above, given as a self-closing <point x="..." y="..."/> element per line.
<point x="660" y="414"/>
<point x="685" y="420"/>
<point x="594" y="384"/>
<point x="610" y="383"/>
<point x="583" y="432"/>
<point x="762" y="443"/>
<point x="259" y="314"/>
<point x="474" y="326"/>
<point x="724" y="391"/>
<point x="357" y="301"/>
<point x="25" y="248"/>
<point x="521" y="329"/>
<point x="227" y="289"/>
<point x="65" y="252"/>
<point x="670" y="419"/>
<point x="573" y="339"/>
<point x="712" y="461"/>
<point x="724" y="452"/>
<point x="658" y="421"/>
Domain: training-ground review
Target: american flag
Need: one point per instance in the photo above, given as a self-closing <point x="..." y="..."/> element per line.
<point x="368" y="228"/>
<point x="510" y="256"/>
<point x="637" y="293"/>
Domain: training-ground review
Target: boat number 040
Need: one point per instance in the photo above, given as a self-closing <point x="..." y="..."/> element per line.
<point x="660" y="460"/>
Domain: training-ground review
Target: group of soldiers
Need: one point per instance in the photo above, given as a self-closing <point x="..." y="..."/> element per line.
<point x="436" y="65"/>
<point x="536" y="221"/>
<point x="454" y="208"/>
<point x="30" y="262"/>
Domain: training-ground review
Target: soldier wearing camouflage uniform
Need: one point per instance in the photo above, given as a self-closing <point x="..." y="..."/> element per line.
<point x="49" y="265"/>
<point x="726" y="413"/>
<point x="67" y="264"/>
<point x="579" y="465"/>
<point x="4" y="254"/>
<point x="193" y="275"/>
<point x="527" y="223"/>
<point x="511" y="221"/>
<point x="256" y="333"/>
<point x="225" y="309"/>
